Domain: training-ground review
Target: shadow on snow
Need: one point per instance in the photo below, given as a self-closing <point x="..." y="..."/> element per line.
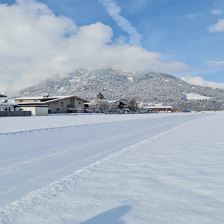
<point x="112" y="216"/>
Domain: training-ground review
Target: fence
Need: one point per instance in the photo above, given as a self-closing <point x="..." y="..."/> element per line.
<point x="15" y="113"/>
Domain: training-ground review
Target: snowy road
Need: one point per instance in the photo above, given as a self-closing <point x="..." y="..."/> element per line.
<point x="32" y="160"/>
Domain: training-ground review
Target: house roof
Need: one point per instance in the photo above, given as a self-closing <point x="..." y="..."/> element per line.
<point x="158" y="107"/>
<point x="48" y="99"/>
<point x="8" y="103"/>
<point x="38" y="97"/>
<point x="65" y="97"/>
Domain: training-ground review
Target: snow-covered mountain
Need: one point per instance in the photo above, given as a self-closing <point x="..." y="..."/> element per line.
<point x="116" y="84"/>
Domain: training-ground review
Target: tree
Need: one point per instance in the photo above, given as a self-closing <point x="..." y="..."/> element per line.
<point x="100" y="96"/>
<point x="99" y="106"/>
<point x="132" y="105"/>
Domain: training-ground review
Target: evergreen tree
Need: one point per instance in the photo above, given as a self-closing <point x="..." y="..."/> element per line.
<point x="100" y="96"/>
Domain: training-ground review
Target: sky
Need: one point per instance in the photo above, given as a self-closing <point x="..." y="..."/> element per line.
<point x="41" y="38"/>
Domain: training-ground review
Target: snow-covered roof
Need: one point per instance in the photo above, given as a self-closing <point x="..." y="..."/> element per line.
<point x="149" y="104"/>
<point x="40" y="97"/>
<point x="158" y="107"/>
<point x="112" y="101"/>
<point x="8" y="103"/>
<point x="153" y="106"/>
<point x="47" y="99"/>
<point x="64" y="97"/>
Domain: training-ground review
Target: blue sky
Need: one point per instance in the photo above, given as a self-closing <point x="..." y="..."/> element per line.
<point x="178" y="29"/>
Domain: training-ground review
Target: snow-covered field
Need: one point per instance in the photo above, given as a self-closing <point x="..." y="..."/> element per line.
<point x="142" y="169"/>
<point x="19" y="124"/>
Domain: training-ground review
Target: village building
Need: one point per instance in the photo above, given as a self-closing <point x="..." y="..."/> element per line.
<point x="6" y="105"/>
<point x="47" y="105"/>
<point x="9" y="108"/>
<point x="36" y="110"/>
<point x="155" y="108"/>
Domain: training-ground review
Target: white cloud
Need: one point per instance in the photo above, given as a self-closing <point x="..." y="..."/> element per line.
<point x="217" y="27"/>
<point x="115" y="13"/>
<point x="199" y="81"/>
<point x="35" y="44"/>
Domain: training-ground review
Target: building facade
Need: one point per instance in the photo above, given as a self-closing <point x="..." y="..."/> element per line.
<point x="36" y="110"/>
<point x="155" y="108"/>
<point x="58" y="104"/>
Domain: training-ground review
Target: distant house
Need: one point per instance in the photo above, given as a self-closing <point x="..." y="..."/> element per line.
<point x="9" y="108"/>
<point x="56" y="104"/>
<point x="167" y="109"/>
<point x="6" y="105"/>
<point x="155" y="108"/>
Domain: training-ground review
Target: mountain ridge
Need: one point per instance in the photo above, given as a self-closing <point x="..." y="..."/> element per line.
<point x="153" y="87"/>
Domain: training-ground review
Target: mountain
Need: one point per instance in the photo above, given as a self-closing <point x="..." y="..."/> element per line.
<point x="147" y="87"/>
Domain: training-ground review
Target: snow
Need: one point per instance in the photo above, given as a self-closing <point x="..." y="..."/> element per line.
<point x="147" y="86"/>
<point x="8" y="102"/>
<point x="158" y="106"/>
<point x="131" y="79"/>
<point x="162" y="169"/>
<point x="42" y="97"/>
<point x="18" y="124"/>
<point x="195" y="96"/>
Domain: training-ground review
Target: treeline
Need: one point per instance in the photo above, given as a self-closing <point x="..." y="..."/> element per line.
<point x="102" y="105"/>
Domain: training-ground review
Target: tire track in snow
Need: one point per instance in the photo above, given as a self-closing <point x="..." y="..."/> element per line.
<point x="67" y="168"/>
<point x="69" y="151"/>
<point x="39" y="196"/>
